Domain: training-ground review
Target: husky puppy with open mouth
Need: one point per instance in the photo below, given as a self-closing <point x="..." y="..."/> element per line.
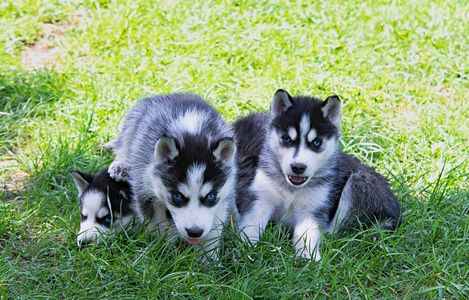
<point x="105" y="205"/>
<point x="178" y="154"/>
<point x="290" y="169"/>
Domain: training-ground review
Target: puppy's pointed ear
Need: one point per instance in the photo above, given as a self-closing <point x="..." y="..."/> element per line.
<point x="165" y="149"/>
<point x="281" y="102"/>
<point x="225" y="150"/>
<point x="82" y="181"/>
<point x="332" y="109"/>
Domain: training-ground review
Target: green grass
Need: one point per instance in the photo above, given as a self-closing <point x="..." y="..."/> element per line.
<point x="401" y="69"/>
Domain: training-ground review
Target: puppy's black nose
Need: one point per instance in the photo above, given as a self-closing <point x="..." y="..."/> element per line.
<point x="194" y="232"/>
<point x="298" y="168"/>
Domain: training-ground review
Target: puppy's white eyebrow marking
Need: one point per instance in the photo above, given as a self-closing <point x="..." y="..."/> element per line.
<point x="205" y="189"/>
<point x="102" y="212"/>
<point x="312" y="135"/>
<point x="292" y="133"/>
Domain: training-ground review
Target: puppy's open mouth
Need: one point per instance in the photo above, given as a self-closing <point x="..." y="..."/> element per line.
<point x="192" y="241"/>
<point x="297" y="180"/>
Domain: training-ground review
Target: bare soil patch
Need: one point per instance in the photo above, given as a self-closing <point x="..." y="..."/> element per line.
<point x="12" y="178"/>
<point x="45" y="51"/>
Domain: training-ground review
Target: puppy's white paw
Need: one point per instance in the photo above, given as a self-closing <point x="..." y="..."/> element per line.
<point x="315" y="256"/>
<point x="110" y="145"/>
<point x="249" y="234"/>
<point x="119" y="171"/>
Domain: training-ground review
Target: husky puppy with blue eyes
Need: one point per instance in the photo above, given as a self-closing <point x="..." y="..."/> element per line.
<point x="290" y="169"/>
<point x="105" y="205"/>
<point x="178" y="155"/>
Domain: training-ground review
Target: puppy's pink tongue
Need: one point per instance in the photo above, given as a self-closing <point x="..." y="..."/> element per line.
<point x="192" y="241"/>
<point x="297" y="180"/>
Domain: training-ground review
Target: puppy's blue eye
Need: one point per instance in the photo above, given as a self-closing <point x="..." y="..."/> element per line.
<point x="317" y="143"/>
<point x="286" y="139"/>
<point x="210" y="200"/>
<point x="210" y="197"/>
<point x="107" y="220"/>
<point x="177" y="197"/>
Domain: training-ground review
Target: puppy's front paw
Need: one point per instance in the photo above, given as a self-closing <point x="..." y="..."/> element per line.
<point x="110" y="145"/>
<point x="119" y="171"/>
<point x="249" y="234"/>
<point x="314" y="256"/>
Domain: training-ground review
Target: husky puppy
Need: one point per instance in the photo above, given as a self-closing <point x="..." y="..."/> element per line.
<point x="104" y="204"/>
<point x="179" y="155"/>
<point x="290" y="169"/>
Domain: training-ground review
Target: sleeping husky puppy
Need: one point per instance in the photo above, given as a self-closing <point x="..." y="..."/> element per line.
<point x="290" y="169"/>
<point x="179" y="155"/>
<point x="104" y="204"/>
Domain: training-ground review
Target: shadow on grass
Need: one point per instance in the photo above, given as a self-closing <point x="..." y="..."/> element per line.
<point x="28" y="100"/>
<point x="26" y="97"/>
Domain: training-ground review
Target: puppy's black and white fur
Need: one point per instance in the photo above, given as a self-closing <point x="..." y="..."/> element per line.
<point x="290" y="169"/>
<point x="105" y="205"/>
<point x="179" y="156"/>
